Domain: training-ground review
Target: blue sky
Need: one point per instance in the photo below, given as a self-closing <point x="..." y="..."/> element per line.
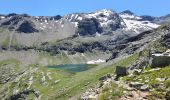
<point x="62" y="7"/>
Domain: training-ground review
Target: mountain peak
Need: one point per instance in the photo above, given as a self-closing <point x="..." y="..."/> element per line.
<point x="127" y="12"/>
<point x="105" y="11"/>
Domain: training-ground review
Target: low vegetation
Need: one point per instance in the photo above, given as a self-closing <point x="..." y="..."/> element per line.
<point x="59" y="84"/>
<point x="157" y="80"/>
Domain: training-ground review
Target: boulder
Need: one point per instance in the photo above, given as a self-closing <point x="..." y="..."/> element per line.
<point x="159" y="60"/>
<point x="120" y="71"/>
<point x="144" y="87"/>
<point x="137" y="85"/>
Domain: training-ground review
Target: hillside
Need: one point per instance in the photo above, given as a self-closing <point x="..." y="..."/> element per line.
<point x="103" y="55"/>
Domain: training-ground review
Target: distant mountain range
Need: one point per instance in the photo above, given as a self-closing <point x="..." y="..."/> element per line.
<point x="38" y="29"/>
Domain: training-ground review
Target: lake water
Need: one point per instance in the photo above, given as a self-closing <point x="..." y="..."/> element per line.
<point x="73" y="67"/>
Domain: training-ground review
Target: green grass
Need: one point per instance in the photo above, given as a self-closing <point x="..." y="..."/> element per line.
<point x="15" y="63"/>
<point x="69" y="85"/>
<point x="8" y="61"/>
<point x="126" y="62"/>
<point x="5" y="42"/>
<point x="111" y="92"/>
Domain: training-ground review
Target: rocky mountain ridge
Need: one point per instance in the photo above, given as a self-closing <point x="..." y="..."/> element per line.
<point x="107" y="18"/>
<point x="27" y="30"/>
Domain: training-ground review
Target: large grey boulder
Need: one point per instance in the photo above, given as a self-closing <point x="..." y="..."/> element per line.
<point x="160" y="61"/>
<point x="120" y="71"/>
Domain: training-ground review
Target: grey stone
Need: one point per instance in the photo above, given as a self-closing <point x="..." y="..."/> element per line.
<point x="144" y="87"/>
<point x="120" y="71"/>
<point x="136" y="85"/>
<point x="160" y="61"/>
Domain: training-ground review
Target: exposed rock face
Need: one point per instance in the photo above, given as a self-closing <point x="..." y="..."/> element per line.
<point x="89" y="27"/>
<point x="56" y="17"/>
<point x="23" y="94"/>
<point x="146" y="17"/>
<point x="19" y="24"/>
<point x="127" y="12"/>
<point x="27" y="27"/>
<point x="139" y="64"/>
<point x="12" y="22"/>
<point x="165" y="40"/>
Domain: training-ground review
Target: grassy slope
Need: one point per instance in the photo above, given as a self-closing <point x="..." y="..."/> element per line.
<point x="68" y="84"/>
<point x="150" y="78"/>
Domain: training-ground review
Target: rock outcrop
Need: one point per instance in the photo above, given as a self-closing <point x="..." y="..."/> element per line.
<point x="27" y="27"/>
<point x="24" y="94"/>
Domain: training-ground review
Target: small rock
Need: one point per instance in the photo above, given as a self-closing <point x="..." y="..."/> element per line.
<point x="144" y="87"/>
<point x="160" y="79"/>
<point x="57" y="81"/>
<point x="136" y="85"/>
<point x="137" y="71"/>
<point x="146" y="81"/>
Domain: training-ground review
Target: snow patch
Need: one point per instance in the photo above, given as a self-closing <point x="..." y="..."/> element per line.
<point x="2" y="17"/>
<point x="62" y="25"/>
<point x="127" y="16"/>
<point x="133" y="24"/>
<point x="105" y="12"/>
<point x="45" y="21"/>
<point x="37" y="17"/>
<point x="96" y="61"/>
<point x="76" y="24"/>
<point x="80" y="18"/>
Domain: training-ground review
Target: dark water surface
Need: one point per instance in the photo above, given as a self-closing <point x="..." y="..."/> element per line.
<point x="73" y="67"/>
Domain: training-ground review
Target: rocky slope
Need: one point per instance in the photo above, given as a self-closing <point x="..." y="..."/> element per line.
<point x="139" y="80"/>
